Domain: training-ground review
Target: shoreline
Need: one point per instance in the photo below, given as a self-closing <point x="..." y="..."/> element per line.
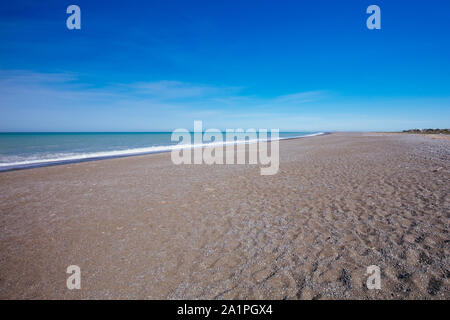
<point x="50" y="163"/>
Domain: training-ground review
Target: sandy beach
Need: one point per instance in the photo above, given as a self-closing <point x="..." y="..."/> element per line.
<point x="144" y="228"/>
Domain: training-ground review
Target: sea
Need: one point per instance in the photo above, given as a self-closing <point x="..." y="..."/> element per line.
<point x="32" y="149"/>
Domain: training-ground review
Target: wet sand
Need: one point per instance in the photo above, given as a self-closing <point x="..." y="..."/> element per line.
<point x="143" y="228"/>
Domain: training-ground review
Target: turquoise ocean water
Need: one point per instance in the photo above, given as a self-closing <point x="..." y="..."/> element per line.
<point x="25" y="150"/>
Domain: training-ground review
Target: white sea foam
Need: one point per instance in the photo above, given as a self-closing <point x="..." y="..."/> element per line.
<point x="74" y="157"/>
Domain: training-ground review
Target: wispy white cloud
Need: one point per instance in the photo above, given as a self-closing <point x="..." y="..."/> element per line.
<point x="24" y="77"/>
<point x="61" y="102"/>
<point x="166" y="89"/>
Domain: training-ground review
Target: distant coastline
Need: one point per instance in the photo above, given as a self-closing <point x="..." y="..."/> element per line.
<point x="428" y="131"/>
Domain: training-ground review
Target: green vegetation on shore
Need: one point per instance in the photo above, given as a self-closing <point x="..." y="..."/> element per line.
<point x="428" y="131"/>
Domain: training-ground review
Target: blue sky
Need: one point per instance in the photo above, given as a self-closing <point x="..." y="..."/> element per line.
<point x="160" y="65"/>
